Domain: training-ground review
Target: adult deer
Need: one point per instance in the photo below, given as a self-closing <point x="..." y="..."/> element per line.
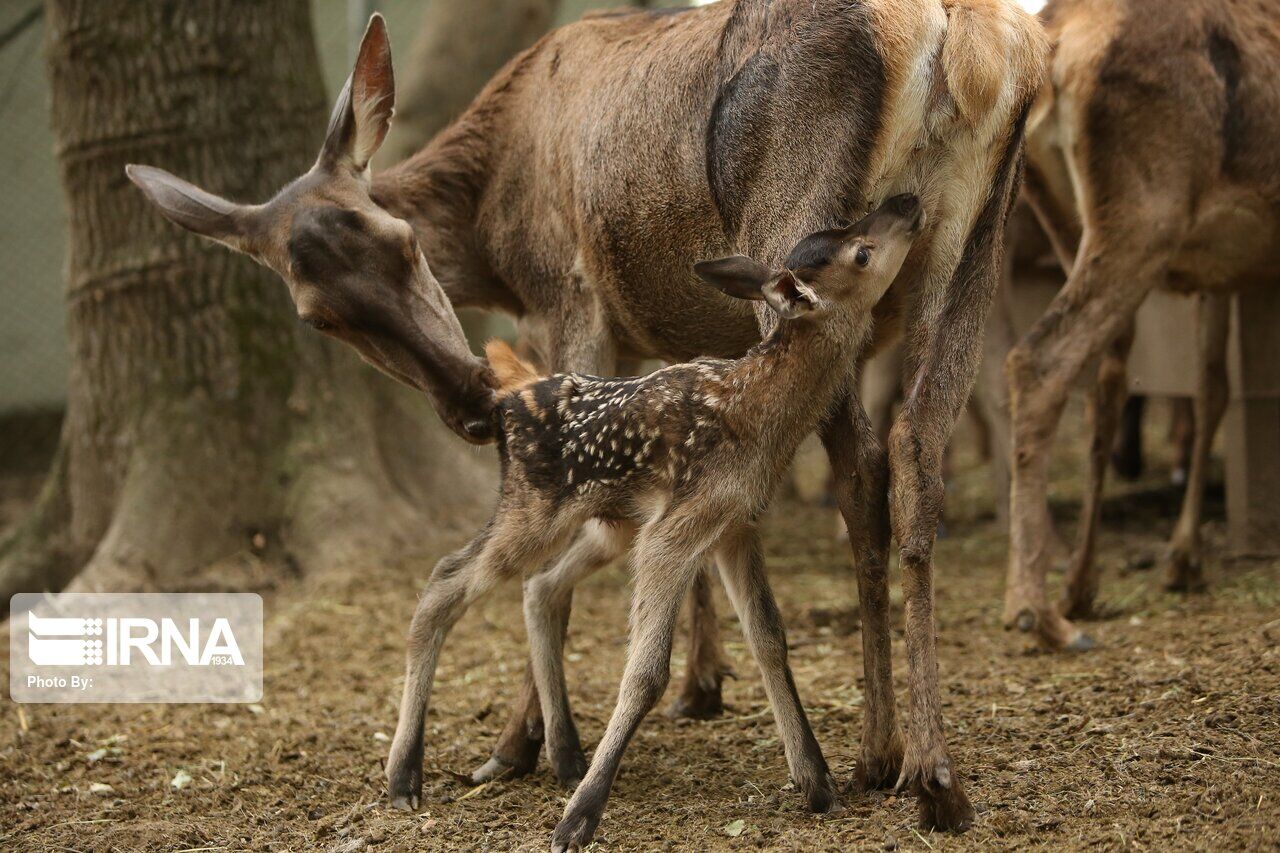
<point x="589" y="175"/>
<point x="1152" y="162"/>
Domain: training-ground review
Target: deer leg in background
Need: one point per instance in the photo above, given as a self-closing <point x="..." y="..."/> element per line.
<point x="1182" y="562"/>
<point x="860" y="470"/>
<point x="1102" y="414"/>
<point x="1126" y="453"/>
<point x="1119" y="266"/>
<point x="706" y="666"/>
<point x="991" y="396"/>
<point x="1182" y="435"/>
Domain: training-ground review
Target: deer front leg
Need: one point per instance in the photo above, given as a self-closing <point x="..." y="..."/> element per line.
<point x="1103" y="411"/>
<point x="1182" y="562"/>
<point x="861" y="475"/>
<point x="668" y="555"/>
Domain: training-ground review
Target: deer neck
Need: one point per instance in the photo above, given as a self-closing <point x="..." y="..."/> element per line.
<point x="791" y="379"/>
<point x="437" y="191"/>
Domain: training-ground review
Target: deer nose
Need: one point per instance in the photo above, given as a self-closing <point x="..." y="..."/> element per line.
<point x="478" y="429"/>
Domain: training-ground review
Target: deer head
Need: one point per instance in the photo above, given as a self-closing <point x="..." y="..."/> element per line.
<point x="354" y="271"/>
<point x="841" y="268"/>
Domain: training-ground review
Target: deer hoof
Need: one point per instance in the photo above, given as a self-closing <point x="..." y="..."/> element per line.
<point x="945" y="809"/>
<point x="698" y="703"/>
<point x="404" y="789"/>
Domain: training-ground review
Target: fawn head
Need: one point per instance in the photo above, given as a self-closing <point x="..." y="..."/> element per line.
<point x="354" y="271"/>
<point x="829" y="271"/>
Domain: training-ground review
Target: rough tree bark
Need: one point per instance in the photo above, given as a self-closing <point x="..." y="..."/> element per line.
<point x="210" y="441"/>
<point x="458" y="48"/>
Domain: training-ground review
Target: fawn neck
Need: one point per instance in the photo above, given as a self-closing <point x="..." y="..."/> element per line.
<point x="791" y="379"/>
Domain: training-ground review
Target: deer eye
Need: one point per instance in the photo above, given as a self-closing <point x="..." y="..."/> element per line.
<point x="319" y="324"/>
<point x="863" y="257"/>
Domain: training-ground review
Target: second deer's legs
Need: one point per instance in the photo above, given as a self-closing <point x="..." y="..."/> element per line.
<point x="860" y="470"/>
<point x="1183" y="570"/>
<point x="1103" y="411"/>
<point x="706" y="666"/>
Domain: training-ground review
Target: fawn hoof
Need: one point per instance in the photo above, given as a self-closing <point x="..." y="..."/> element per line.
<point x="404" y="789"/>
<point x="698" y="702"/>
<point x="945" y="809"/>
<point x="575" y="830"/>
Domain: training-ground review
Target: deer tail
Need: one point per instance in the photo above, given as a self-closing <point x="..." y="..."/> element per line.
<point x="512" y="371"/>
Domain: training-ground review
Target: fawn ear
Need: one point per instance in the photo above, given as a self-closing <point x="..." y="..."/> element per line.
<point x="362" y="115"/>
<point x="788" y="296"/>
<point x="191" y="207"/>
<point x="737" y="276"/>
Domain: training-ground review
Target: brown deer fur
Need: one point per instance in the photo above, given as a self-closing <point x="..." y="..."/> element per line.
<point x="592" y="171"/>
<point x="1152" y="162"/>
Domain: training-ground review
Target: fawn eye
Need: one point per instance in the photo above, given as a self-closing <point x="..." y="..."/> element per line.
<point x="863" y="257"/>
<point x="319" y="324"/>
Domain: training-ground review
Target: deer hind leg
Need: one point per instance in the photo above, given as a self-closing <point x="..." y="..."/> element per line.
<point x="1114" y="274"/>
<point x="1182" y="561"/>
<point x="861" y="473"/>
<point x="1103" y="415"/>
<point x="501" y="550"/>
<point x="669" y="553"/>
<point x="741" y="561"/>
<point x="547" y="599"/>
<point x="578" y="339"/>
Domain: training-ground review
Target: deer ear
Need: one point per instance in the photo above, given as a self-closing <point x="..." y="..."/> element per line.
<point x="737" y="276"/>
<point x="191" y="207"/>
<point x="788" y="296"/>
<point x="362" y="115"/>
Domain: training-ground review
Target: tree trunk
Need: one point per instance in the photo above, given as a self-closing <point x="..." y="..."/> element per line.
<point x="210" y="441"/>
<point x="458" y="48"/>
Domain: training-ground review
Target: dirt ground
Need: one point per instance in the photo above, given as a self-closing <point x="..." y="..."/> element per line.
<point x="1166" y="736"/>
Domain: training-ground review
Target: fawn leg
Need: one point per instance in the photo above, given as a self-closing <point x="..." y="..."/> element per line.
<point x="578" y="338"/>
<point x="1182" y="561"/>
<point x="741" y="561"/>
<point x="706" y="667"/>
<point x="668" y="556"/>
<point x="1103" y="411"/>
<point x="501" y="550"/>
<point x="547" y="597"/>
<point x="861" y="476"/>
